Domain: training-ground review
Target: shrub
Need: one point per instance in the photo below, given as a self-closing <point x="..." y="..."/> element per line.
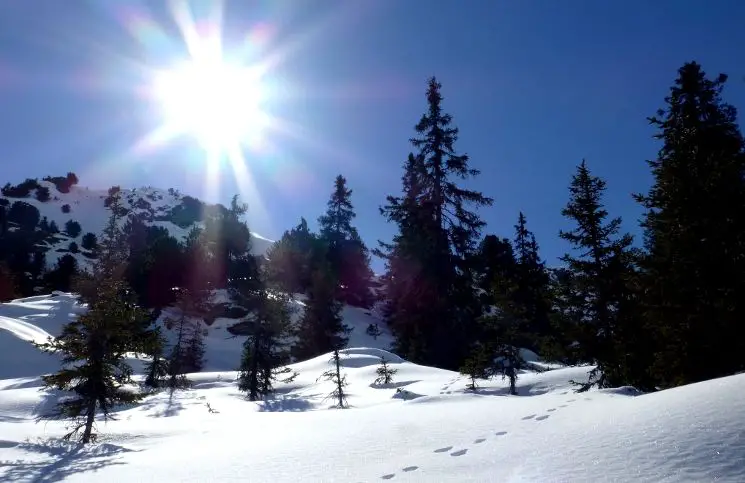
<point x="73" y="228"/>
<point x="66" y="208"/>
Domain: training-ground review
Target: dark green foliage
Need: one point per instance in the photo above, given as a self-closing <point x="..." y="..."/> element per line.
<point x="693" y="275"/>
<point x="61" y="276"/>
<point x="432" y="308"/>
<point x="289" y="261"/>
<point x="599" y="283"/>
<point x="373" y="331"/>
<point x="42" y="194"/>
<point x="8" y="289"/>
<point x="53" y="228"/>
<point x="263" y="353"/>
<point x="188" y="212"/>
<point x="72" y="228"/>
<point x="24" y="215"/>
<point x="22" y="190"/>
<point x="187" y="353"/>
<point x="66" y="208"/>
<point x="385" y="373"/>
<point x="73" y="247"/>
<point x="321" y="327"/>
<point x="156" y="370"/>
<point x="63" y="183"/>
<point x="347" y="254"/>
<point x="89" y="242"/>
<point x="335" y="376"/>
<point x="93" y="346"/>
<point x="476" y="366"/>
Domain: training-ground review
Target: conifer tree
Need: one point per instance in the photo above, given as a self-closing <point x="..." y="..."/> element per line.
<point x="94" y="345"/>
<point x="693" y="276"/>
<point x="347" y="254"/>
<point x="321" y="328"/>
<point x="289" y="262"/>
<point x="156" y="370"/>
<point x="335" y="376"/>
<point x="476" y="366"/>
<point x="373" y="330"/>
<point x="598" y="278"/>
<point x="385" y="373"/>
<point x="187" y="353"/>
<point x="434" y="307"/>
<point x="263" y="351"/>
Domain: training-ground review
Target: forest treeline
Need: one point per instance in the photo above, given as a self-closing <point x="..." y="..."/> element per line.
<point x="656" y="314"/>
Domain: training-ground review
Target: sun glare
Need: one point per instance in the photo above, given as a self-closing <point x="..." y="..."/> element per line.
<point x="217" y="103"/>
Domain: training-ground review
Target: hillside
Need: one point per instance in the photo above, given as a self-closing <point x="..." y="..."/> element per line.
<point x="169" y="209"/>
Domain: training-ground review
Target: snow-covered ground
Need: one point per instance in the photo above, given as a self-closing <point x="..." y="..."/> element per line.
<point x="425" y="427"/>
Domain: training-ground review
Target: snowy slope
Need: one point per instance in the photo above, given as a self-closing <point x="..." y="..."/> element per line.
<point x="694" y="433"/>
<point x="87" y="208"/>
<point x="33" y="319"/>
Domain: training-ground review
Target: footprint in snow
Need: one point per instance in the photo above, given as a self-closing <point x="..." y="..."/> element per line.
<point x="571" y="400"/>
<point x="542" y="418"/>
<point x="459" y="452"/>
<point x="443" y="450"/>
<point x="500" y="433"/>
<point x="551" y="410"/>
<point x="410" y="468"/>
<point x="562" y="405"/>
<point x="479" y="441"/>
<point x="387" y="477"/>
<point x="528" y="417"/>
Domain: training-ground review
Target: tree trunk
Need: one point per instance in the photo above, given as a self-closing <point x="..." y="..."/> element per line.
<point x="90" y="418"/>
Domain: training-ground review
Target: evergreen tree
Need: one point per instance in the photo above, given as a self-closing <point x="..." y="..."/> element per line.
<point x="434" y="307"/>
<point x="373" y="330"/>
<point x="347" y="254"/>
<point x="339" y="380"/>
<point x="263" y="351"/>
<point x="599" y="279"/>
<point x="385" y="373"/>
<point x="476" y="366"/>
<point x="93" y="346"/>
<point x="693" y="276"/>
<point x="187" y="353"/>
<point x="73" y="228"/>
<point x="156" y="371"/>
<point x="7" y="284"/>
<point x="289" y="261"/>
<point x="321" y="328"/>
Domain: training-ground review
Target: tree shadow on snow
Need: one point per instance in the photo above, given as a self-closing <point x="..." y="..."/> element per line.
<point x="58" y="461"/>
<point x="167" y="408"/>
<point x="286" y="403"/>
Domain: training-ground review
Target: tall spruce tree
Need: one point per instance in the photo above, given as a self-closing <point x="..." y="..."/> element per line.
<point x="263" y="350"/>
<point x="694" y="226"/>
<point x="93" y="346"/>
<point x="321" y="328"/>
<point x="187" y="353"/>
<point x="347" y="253"/>
<point x="599" y="279"/>
<point x="434" y="306"/>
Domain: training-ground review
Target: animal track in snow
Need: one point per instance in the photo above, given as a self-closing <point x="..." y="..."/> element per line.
<point x="460" y="452"/>
<point x="443" y="450"/>
<point x="542" y="418"/>
<point x="571" y="400"/>
<point x="531" y="416"/>
<point x="551" y="410"/>
<point x="562" y="405"/>
<point x="479" y="441"/>
<point x="410" y="468"/>
<point x="387" y="477"/>
<point x="500" y="433"/>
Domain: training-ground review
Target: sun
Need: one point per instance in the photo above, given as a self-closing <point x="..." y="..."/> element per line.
<point x="218" y="103"/>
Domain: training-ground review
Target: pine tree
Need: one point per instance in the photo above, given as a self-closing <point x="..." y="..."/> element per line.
<point x="187" y="353"/>
<point x="385" y="373"/>
<point x="156" y="371"/>
<point x="433" y="252"/>
<point x="335" y="376"/>
<point x="289" y="261"/>
<point x="373" y="330"/>
<point x="476" y="366"/>
<point x="347" y="254"/>
<point x="321" y="328"/>
<point x="693" y="276"/>
<point x="94" y="345"/>
<point x="598" y="279"/>
<point x="263" y="351"/>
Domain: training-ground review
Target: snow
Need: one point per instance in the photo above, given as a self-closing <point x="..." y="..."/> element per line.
<point x="87" y="208"/>
<point x="424" y="427"/>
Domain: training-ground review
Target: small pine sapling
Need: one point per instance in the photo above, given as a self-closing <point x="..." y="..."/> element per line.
<point x="373" y="331"/>
<point x="385" y="373"/>
<point x="340" y="382"/>
<point x="157" y="369"/>
<point x="476" y="367"/>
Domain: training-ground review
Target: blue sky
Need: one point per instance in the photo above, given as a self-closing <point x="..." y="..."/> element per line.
<point x="534" y="87"/>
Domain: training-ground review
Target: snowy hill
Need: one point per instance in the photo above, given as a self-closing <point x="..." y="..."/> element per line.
<point x="423" y="427"/>
<point x="169" y="209"/>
